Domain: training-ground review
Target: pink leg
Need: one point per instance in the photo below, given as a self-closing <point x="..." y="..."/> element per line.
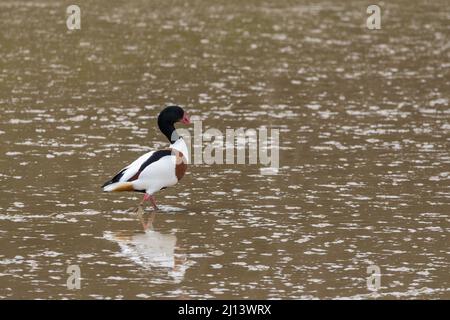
<point x="140" y="212"/>
<point x="145" y="198"/>
<point x="140" y="209"/>
<point x="153" y="201"/>
<point x="141" y="204"/>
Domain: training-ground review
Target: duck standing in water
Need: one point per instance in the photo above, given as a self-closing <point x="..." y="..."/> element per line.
<point x="159" y="169"/>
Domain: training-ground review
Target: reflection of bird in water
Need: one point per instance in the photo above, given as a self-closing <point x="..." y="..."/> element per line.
<point x="151" y="249"/>
<point x="146" y="219"/>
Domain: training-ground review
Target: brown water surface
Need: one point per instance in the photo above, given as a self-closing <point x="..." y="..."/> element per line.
<point x="364" y="149"/>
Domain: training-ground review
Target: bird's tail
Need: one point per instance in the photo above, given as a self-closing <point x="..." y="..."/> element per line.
<point x="118" y="186"/>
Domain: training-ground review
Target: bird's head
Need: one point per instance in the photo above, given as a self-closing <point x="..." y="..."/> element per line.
<point x="173" y="114"/>
<point x="168" y="117"/>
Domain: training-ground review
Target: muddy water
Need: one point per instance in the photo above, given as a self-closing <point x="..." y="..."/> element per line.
<point x="364" y="149"/>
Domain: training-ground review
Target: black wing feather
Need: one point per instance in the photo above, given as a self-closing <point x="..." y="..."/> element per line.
<point x="115" y="179"/>
<point x="153" y="158"/>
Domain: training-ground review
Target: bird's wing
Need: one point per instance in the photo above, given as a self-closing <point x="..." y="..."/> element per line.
<point x="156" y="156"/>
<point x="131" y="170"/>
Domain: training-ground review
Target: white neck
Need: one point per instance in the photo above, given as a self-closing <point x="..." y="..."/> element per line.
<point x="181" y="146"/>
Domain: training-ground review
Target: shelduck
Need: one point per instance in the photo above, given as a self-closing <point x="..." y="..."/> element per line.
<point x="156" y="170"/>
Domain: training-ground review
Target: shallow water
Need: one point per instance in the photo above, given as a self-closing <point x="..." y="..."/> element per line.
<point x="364" y="149"/>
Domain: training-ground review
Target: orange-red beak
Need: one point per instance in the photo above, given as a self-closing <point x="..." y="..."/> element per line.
<point x="186" y="119"/>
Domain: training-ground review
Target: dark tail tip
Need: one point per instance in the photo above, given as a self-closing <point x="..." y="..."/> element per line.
<point x="106" y="183"/>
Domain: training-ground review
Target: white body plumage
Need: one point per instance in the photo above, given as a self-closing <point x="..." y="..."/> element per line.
<point x="162" y="173"/>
